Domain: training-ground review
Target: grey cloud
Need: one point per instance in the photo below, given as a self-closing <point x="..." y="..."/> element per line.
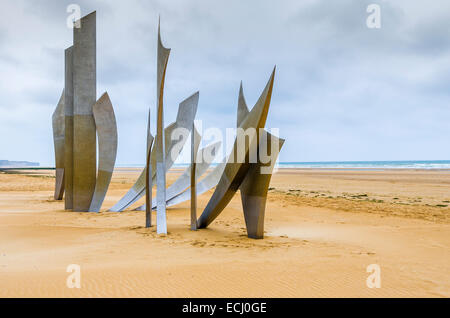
<point x="342" y="91"/>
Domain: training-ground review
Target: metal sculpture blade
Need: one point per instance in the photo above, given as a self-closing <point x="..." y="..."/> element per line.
<point x="235" y="172"/>
<point x="173" y="187"/>
<point x="58" y="123"/>
<point x="68" y="127"/>
<point x="84" y="98"/>
<point x="163" y="58"/>
<point x="148" y="177"/>
<point x="138" y="189"/>
<point x="185" y="117"/>
<point x="182" y="183"/>
<point x="105" y="121"/>
<point x="242" y="107"/>
<point x="195" y="143"/>
<point x="255" y="186"/>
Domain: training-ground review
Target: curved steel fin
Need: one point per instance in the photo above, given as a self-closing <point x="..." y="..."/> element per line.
<point x="58" y="123"/>
<point x="105" y="122"/>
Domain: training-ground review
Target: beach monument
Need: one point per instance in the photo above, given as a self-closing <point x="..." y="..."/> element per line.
<point x="77" y="123"/>
<point x="246" y="175"/>
<point x="161" y="157"/>
<point x="84" y="87"/>
<point x="79" y="120"/>
<point x="162" y="60"/>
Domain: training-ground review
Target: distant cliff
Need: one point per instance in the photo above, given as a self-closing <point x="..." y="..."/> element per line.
<point x="17" y="164"/>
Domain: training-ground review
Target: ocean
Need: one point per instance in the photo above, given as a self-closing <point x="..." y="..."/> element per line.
<point x="407" y="164"/>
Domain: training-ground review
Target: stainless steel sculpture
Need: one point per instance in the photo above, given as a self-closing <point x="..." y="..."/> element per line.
<point x="235" y="173"/>
<point x="78" y="119"/>
<point x="254" y="190"/>
<point x="185" y="117"/>
<point x="212" y="179"/>
<point x="255" y="186"/>
<point x="83" y="117"/>
<point x="105" y="122"/>
<point x="163" y="58"/>
<point x="68" y="127"/>
<point x="58" y="140"/>
<point x="80" y="97"/>
<point x="138" y="189"/>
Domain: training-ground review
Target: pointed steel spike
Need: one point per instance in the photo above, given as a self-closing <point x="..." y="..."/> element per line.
<point x="242" y="107"/>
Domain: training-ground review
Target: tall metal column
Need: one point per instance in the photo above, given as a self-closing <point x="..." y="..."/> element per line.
<point x="163" y="58"/>
<point x="195" y="142"/>
<point x="68" y="127"/>
<point x="148" y="177"/>
<point x="84" y="98"/>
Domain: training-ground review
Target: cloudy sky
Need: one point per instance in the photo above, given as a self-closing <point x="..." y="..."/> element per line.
<point x="342" y="91"/>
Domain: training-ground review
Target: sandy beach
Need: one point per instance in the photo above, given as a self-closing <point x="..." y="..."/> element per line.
<point x="323" y="228"/>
